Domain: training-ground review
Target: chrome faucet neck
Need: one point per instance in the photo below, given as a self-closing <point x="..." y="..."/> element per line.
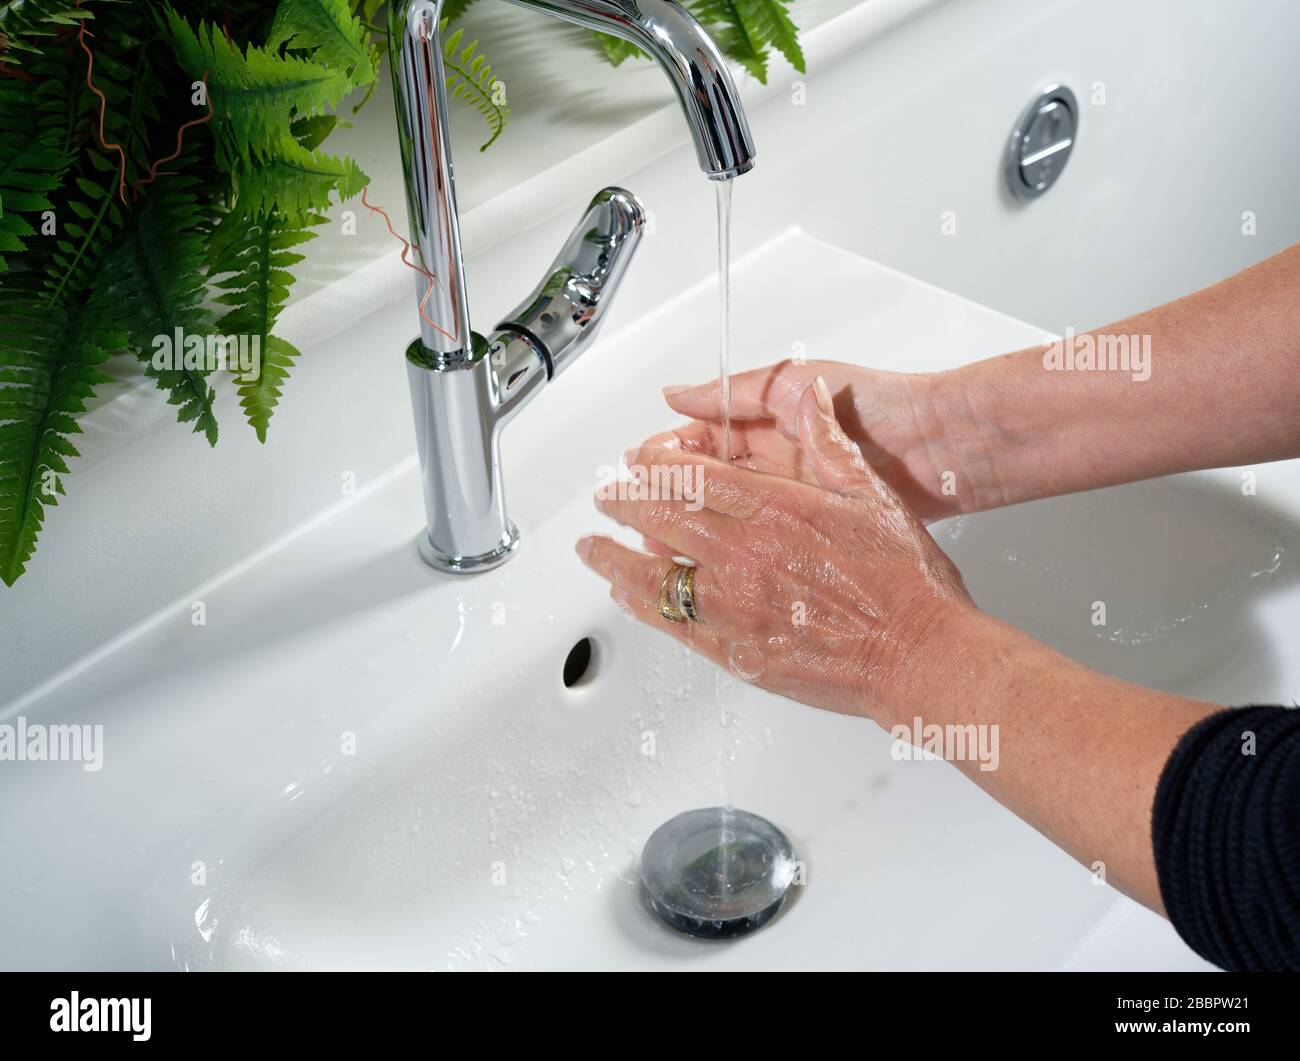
<point x="464" y="387"/>
<point x="415" y="54"/>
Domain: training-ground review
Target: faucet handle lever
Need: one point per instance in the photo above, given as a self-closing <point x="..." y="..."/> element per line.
<point x="567" y="308"/>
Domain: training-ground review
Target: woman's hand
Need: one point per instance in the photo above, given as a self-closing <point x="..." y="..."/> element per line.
<point x="824" y="588"/>
<point x="912" y="429"/>
<point x="1013" y="428"/>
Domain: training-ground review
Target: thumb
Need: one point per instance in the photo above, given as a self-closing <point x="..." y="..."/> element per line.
<point x="835" y="459"/>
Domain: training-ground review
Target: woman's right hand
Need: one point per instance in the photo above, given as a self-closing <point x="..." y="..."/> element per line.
<point x="909" y="431"/>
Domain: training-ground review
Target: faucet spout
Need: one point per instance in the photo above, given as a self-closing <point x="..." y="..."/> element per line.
<point x="671" y="36"/>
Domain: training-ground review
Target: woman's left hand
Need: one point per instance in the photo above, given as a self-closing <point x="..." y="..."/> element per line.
<point x="831" y="594"/>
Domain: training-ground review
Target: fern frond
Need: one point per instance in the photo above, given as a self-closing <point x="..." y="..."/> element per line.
<point x="49" y="365"/>
<point x="23" y="23"/>
<point x="154" y="280"/>
<point x="256" y="93"/>
<point x="34" y="155"/>
<point x="253" y="256"/>
<point x="328" y="29"/>
<point x="93" y="194"/>
<point x="768" y="21"/>
<point x="746" y="29"/>
<point x="469" y="78"/>
<point x="296" y="182"/>
<point x="81" y="242"/>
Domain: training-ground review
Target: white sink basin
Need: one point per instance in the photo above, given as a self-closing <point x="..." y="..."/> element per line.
<point x="358" y="762"/>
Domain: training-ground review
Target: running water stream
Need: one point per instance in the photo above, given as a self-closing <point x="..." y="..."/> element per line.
<point x="725" y="754"/>
<point x="724" y="311"/>
<point x="720" y="872"/>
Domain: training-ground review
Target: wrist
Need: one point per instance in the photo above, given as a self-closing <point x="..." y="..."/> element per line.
<point x="966" y="407"/>
<point x="962" y="664"/>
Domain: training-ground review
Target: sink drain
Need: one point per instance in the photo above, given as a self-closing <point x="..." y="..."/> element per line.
<point x="578" y="664"/>
<point x="717" y="873"/>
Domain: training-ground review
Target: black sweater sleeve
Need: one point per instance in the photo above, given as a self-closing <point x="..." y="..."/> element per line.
<point x="1226" y="830"/>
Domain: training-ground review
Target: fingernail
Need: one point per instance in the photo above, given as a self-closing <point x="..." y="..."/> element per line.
<point x="823" y="396"/>
<point x="583" y="548"/>
<point x="672" y="392"/>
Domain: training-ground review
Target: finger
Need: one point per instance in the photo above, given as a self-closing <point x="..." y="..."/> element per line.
<point x="655" y="548"/>
<point x="705" y="437"/>
<point x="622" y="567"/>
<point x="684" y="528"/>
<point x="701" y="637"/>
<point x="696" y="479"/>
<point x="758" y="445"/>
<point x="771" y="392"/>
<point x="836" y="461"/>
<point x="643" y="576"/>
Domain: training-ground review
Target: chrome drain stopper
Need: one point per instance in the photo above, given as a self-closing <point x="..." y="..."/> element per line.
<point x="717" y="873"/>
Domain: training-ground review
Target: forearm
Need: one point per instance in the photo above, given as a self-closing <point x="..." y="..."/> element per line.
<point x="1079" y="754"/>
<point x="1223" y="386"/>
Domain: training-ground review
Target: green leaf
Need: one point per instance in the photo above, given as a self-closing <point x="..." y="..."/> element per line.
<point x="746" y="30"/>
<point x="770" y="22"/>
<point x="469" y="79"/>
<point x="49" y="365"/>
<point x="35" y="132"/>
<point x="252" y="255"/>
<point x="134" y="84"/>
<point x="25" y="23"/>
<point x="328" y="29"/>
<point x="256" y="93"/>
<point x="296" y="181"/>
<point x="155" y="282"/>
<point x="73" y="259"/>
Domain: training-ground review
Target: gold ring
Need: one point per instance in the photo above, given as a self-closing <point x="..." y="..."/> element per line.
<point x="686" y="593"/>
<point x="667" y="607"/>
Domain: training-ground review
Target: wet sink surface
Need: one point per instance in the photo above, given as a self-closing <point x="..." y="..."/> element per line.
<point x="360" y="763"/>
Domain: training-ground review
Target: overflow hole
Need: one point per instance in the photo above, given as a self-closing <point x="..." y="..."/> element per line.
<point x="578" y="668"/>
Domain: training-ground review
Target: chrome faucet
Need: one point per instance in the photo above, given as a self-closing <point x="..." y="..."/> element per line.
<point x="465" y="388"/>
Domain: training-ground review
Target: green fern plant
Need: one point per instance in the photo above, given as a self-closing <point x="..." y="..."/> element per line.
<point x="147" y="237"/>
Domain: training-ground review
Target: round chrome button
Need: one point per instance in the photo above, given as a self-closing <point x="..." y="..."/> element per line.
<point x="1041" y="142"/>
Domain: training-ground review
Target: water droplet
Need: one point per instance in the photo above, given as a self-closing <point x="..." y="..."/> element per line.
<point x="745" y="661"/>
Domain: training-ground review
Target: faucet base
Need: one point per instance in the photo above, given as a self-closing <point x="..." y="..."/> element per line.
<point x="468" y="565"/>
